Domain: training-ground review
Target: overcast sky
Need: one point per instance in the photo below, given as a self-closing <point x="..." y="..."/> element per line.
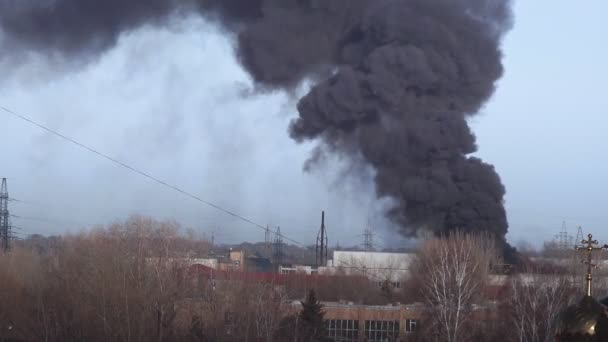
<point x="175" y="103"/>
<point x="545" y="128"/>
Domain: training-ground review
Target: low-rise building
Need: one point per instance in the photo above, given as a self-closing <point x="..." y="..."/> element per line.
<point x="377" y="266"/>
<point x="297" y="269"/>
<point x="235" y="260"/>
<point x="348" y="322"/>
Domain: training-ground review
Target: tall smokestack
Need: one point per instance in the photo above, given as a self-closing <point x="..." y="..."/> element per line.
<point x="321" y="248"/>
<point x="395" y="81"/>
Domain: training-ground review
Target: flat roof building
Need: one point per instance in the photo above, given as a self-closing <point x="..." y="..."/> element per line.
<point x="376" y="266"/>
<point x="347" y="322"/>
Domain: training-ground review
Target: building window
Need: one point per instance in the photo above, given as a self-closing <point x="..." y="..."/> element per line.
<point x="392" y="284"/>
<point x="342" y="330"/>
<point x="381" y="331"/>
<point x="410" y="325"/>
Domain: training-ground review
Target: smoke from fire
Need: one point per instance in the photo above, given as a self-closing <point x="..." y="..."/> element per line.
<point x="394" y="82"/>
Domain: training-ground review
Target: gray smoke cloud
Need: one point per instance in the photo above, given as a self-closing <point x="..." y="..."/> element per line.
<point x="394" y="83"/>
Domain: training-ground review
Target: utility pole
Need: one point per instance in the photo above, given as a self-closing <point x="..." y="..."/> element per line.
<point x="267" y="243"/>
<point x="321" y="249"/>
<point x="5" y="223"/>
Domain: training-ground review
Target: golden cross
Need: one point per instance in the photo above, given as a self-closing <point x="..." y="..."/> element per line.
<point x="588" y="247"/>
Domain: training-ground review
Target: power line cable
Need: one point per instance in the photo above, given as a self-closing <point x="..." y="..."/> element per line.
<point x="16" y="200"/>
<point x="159" y="181"/>
<point x="142" y="173"/>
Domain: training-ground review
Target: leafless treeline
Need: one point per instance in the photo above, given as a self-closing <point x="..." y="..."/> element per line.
<point x="468" y="303"/>
<point x="130" y="282"/>
<point x="127" y="282"/>
<point x="116" y="283"/>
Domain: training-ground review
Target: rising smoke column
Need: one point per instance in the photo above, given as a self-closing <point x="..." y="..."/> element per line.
<point x="395" y="83"/>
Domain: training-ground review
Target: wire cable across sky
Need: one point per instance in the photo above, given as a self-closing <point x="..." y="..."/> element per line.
<point x="144" y="174"/>
<point x="364" y="270"/>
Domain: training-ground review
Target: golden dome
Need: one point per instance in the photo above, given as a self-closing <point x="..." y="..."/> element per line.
<point x="585" y="321"/>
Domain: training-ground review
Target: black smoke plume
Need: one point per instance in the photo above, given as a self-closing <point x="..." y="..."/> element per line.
<point x="395" y="81"/>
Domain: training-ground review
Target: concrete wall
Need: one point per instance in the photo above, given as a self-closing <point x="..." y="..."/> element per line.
<point x="374" y="265"/>
<point x="239" y="258"/>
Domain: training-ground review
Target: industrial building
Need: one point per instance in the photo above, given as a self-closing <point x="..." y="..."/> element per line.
<point x="348" y="322"/>
<point x="376" y="266"/>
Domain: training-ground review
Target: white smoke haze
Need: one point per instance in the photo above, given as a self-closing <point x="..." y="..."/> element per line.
<point x="169" y="102"/>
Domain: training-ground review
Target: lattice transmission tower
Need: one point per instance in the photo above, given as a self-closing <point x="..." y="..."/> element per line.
<point x="277" y="248"/>
<point x="579" y="236"/>
<point x="576" y="271"/>
<point x="564" y="240"/>
<point x="5" y="218"/>
<point x="368" y="238"/>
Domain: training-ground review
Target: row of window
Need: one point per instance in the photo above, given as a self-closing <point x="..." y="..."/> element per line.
<point x="380" y="331"/>
<point x="393" y="284"/>
<point x="342" y="330"/>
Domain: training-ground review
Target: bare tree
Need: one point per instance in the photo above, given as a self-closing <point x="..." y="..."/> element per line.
<point x="130" y="281"/>
<point x="535" y="303"/>
<point x="454" y="270"/>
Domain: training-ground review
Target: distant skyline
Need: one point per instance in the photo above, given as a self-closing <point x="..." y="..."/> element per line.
<point x="175" y="103"/>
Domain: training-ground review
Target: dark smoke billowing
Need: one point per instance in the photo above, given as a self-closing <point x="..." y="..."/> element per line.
<point x="395" y="82"/>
